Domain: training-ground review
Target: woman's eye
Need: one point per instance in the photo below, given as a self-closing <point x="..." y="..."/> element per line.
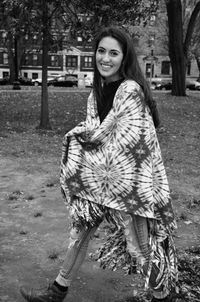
<point x="100" y="50"/>
<point x="114" y="53"/>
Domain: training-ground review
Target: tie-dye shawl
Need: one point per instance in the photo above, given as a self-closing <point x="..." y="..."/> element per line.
<point x="118" y="163"/>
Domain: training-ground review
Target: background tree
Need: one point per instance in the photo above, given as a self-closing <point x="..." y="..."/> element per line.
<point x="14" y="21"/>
<point x="94" y="14"/>
<point x="194" y="48"/>
<point x="24" y="18"/>
<point x="44" y="15"/>
<point x="178" y="43"/>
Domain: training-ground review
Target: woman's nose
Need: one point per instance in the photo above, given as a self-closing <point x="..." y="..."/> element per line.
<point x="106" y="57"/>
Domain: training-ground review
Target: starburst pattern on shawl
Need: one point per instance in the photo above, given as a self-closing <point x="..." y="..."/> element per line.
<point x="123" y="125"/>
<point x="74" y="157"/>
<point x="106" y="176"/>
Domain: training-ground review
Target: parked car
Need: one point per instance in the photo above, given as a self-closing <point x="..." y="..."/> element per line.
<point x="164" y="86"/>
<point x="65" y="81"/>
<point x="161" y="84"/>
<point x="88" y="81"/>
<point x="4" y="81"/>
<point x="38" y="81"/>
<point x="21" y="80"/>
<point x="154" y="82"/>
<point x="192" y="84"/>
<point x="25" y="81"/>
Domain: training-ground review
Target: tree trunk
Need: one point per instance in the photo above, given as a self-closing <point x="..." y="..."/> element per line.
<point x="198" y="64"/>
<point x="16" y="84"/>
<point x="16" y="57"/>
<point x="44" y="116"/>
<point x="176" y="50"/>
<point x="11" y="57"/>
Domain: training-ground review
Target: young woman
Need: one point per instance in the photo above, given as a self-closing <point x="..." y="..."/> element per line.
<point x="112" y="169"/>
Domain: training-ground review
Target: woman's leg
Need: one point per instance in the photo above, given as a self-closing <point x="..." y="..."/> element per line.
<point x="76" y="252"/>
<point x="153" y="267"/>
<point x="85" y="218"/>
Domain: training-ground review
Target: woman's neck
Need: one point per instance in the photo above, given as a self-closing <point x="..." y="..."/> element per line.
<point x="107" y="82"/>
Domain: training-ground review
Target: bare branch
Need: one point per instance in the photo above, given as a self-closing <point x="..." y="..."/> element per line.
<point x="191" y="26"/>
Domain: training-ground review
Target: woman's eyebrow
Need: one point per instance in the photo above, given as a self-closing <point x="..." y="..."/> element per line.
<point x="115" y="50"/>
<point x="110" y="49"/>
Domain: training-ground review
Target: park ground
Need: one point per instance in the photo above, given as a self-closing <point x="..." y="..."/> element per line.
<point x="34" y="220"/>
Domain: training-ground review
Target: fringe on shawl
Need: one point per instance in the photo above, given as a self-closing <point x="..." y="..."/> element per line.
<point x="113" y="254"/>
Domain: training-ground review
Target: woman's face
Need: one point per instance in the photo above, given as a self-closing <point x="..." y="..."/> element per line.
<point x="109" y="58"/>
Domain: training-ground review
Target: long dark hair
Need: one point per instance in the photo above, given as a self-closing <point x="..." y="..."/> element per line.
<point x="130" y="68"/>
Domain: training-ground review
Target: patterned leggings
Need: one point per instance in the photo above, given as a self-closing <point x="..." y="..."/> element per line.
<point x="137" y="237"/>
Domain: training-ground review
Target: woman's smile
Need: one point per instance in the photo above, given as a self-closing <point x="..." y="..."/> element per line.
<point x="106" y="66"/>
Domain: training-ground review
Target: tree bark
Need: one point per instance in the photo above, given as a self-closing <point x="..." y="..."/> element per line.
<point x="11" y="57"/>
<point x="16" y="57"/>
<point x="198" y="65"/>
<point x="191" y="27"/>
<point x="176" y="50"/>
<point x="44" y="116"/>
<point x="16" y="84"/>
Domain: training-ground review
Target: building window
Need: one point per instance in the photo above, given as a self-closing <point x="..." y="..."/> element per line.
<point x="88" y="62"/>
<point x="35" y="60"/>
<point x="26" y="60"/>
<point x="5" y="74"/>
<point x="149" y="70"/>
<point x="4" y="36"/>
<point x="151" y="39"/>
<point x="79" y="39"/>
<point x="71" y="61"/>
<point x="54" y="61"/>
<point x="26" y="74"/>
<point x="189" y="68"/>
<point x="34" y="75"/>
<point x="152" y="20"/>
<point x="165" y="68"/>
<point x="5" y="58"/>
<point x="136" y="39"/>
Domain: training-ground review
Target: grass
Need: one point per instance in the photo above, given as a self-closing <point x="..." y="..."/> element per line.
<point x="20" y="115"/>
<point x="20" y="111"/>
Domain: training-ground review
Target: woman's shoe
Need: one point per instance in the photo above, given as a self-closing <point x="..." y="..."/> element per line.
<point x="48" y="294"/>
<point x="167" y="299"/>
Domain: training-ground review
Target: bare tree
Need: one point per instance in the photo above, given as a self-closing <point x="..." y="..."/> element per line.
<point x="195" y="44"/>
<point x="14" y="20"/>
<point x="44" y="13"/>
<point x="178" y="44"/>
